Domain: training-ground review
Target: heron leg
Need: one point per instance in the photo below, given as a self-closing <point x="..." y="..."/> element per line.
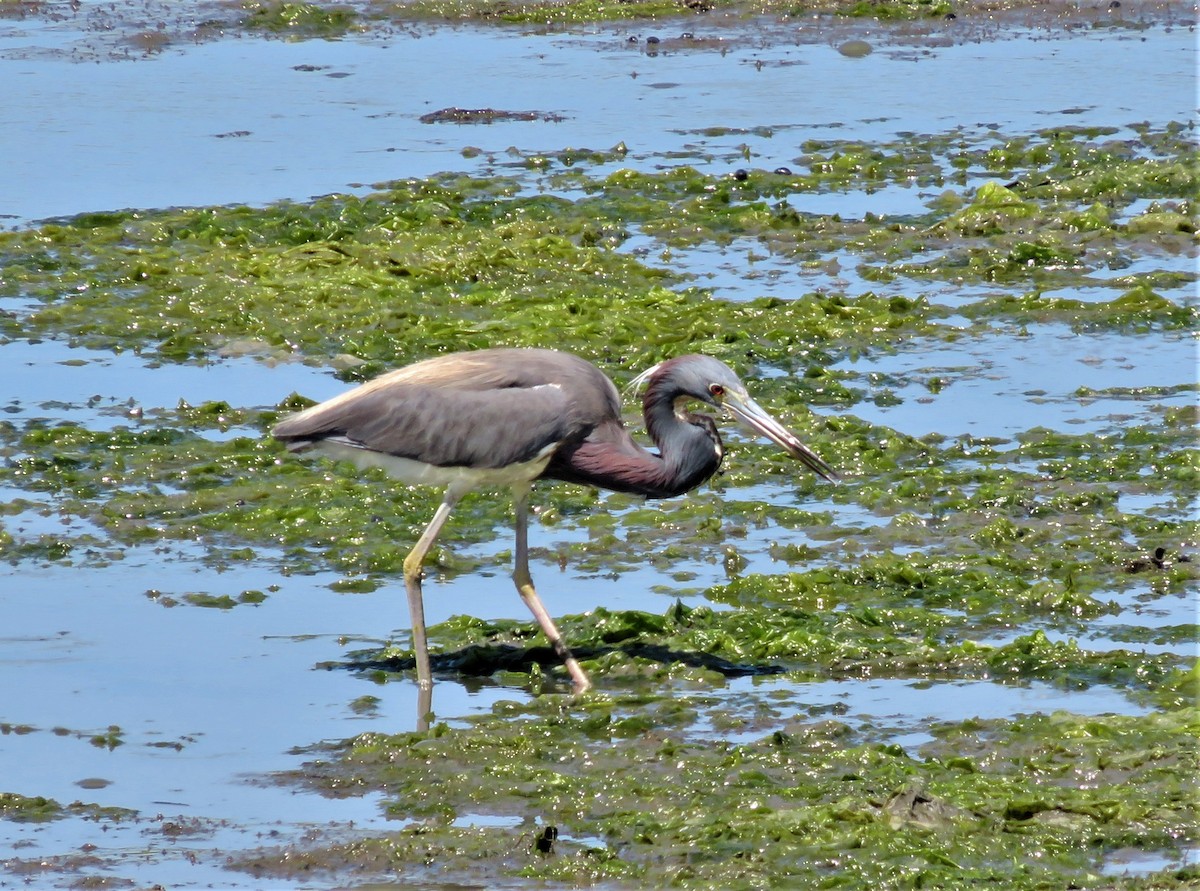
<point x="412" y="583"/>
<point x="524" y="583"/>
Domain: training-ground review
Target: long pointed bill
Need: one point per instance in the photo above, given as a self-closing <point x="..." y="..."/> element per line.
<point x="750" y="413"/>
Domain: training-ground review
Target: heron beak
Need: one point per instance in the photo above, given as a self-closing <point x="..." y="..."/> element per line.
<point x="748" y="412"/>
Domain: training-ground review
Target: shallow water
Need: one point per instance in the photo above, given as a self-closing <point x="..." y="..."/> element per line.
<point x="904" y="710"/>
<point x="52" y="381"/>
<point x="209" y="701"/>
<point x="1004" y="382"/>
<point x="218" y="122"/>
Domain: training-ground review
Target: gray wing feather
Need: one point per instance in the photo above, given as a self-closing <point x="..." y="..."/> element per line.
<point x="445" y="427"/>
<point x="485" y="409"/>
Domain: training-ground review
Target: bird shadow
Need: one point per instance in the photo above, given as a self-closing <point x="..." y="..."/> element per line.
<point x="484" y="660"/>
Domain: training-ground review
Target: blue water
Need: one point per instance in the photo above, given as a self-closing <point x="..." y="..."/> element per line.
<point x="209" y="701"/>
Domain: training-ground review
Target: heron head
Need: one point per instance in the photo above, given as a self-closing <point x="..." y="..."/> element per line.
<point x="713" y="382"/>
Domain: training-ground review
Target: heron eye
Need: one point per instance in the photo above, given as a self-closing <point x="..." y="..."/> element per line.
<point x="717" y="390"/>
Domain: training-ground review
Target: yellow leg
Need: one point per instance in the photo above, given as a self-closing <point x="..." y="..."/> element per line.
<point x="412" y="583"/>
<point x="524" y="583"/>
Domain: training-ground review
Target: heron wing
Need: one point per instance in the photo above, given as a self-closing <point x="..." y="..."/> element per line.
<point x="443" y="427"/>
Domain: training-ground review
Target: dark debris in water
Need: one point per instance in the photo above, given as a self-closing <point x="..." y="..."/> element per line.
<point x="1160" y="559"/>
<point x="455" y="115"/>
<point x="916" y="807"/>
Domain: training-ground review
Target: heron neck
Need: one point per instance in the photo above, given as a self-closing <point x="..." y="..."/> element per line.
<point x="689" y="451"/>
<point x="688" y="444"/>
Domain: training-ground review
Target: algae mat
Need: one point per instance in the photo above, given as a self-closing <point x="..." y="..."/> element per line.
<point x="972" y="663"/>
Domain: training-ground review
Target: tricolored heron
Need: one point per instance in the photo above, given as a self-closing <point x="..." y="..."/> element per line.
<point x="507" y="417"/>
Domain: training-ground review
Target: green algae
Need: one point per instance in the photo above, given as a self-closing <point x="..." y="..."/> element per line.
<point x="974" y="561"/>
<point x="222" y="601"/>
<point x="162" y="485"/>
<point x="1053" y="541"/>
<point x="830" y="641"/>
<point x="1028" y="802"/>
<point x="110" y="738"/>
<point x="118" y="33"/>
<point x="38" y="809"/>
<point x="459" y="262"/>
<point x="301" y="20"/>
<point x="330" y="19"/>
